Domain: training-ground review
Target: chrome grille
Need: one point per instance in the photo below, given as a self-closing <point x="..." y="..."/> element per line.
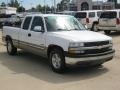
<point x="100" y="43"/>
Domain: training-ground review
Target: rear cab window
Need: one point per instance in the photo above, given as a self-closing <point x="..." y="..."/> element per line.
<point x="26" y="23"/>
<point x="81" y="15"/>
<point x="109" y="14"/>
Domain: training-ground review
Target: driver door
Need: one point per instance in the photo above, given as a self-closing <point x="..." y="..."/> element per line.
<point x="37" y="38"/>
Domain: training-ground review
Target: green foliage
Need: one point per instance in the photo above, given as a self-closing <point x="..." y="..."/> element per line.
<point x="16" y="4"/>
<point x="3" y="4"/>
<point x="39" y="8"/>
<point x="13" y="3"/>
<point x="21" y="9"/>
<point x="62" y="5"/>
<point x="43" y="8"/>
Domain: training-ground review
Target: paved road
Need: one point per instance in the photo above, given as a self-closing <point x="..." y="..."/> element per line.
<point x="0" y="36"/>
<point x="30" y="72"/>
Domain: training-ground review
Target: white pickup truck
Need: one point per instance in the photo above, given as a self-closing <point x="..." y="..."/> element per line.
<point x="61" y="39"/>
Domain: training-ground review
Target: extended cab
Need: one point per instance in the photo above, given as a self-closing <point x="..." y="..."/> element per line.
<point x="61" y="39"/>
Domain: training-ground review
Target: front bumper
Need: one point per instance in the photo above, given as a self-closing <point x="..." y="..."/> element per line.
<point x="90" y="59"/>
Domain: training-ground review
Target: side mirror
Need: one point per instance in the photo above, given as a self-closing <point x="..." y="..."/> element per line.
<point x="38" y="29"/>
<point x="86" y="26"/>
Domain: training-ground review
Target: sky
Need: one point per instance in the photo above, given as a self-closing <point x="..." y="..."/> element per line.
<point x="32" y="3"/>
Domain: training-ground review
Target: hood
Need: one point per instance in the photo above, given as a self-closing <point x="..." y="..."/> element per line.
<point x="81" y="36"/>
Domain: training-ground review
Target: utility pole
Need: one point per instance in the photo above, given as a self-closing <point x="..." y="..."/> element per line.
<point x="7" y="3"/>
<point x="21" y="5"/>
<point x="45" y="6"/>
<point x="54" y="6"/>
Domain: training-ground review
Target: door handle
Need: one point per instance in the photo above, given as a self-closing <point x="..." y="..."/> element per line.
<point x="29" y="34"/>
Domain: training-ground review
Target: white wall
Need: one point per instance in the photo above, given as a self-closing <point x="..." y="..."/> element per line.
<point x="8" y="10"/>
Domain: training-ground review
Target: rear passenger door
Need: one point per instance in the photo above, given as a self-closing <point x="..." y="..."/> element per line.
<point x="24" y="34"/>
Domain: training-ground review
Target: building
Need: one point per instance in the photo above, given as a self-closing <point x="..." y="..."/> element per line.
<point x="79" y="5"/>
<point x="8" y="10"/>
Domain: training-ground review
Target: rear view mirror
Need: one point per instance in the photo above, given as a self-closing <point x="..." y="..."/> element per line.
<point x="38" y="29"/>
<point x="86" y="26"/>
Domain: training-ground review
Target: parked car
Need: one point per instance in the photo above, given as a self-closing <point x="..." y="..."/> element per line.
<point x="61" y="39"/>
<point x="110" y="21"/>
<point x="14" y="20"/>
<point x="3" y="18"/>
<point x="89" y="18"/>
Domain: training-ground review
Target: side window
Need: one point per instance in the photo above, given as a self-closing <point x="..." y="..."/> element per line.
<point x="37" y="21"/>
<point x="27" y="23"/>
<point x="98" y="14"/>
<point x="92" y="14"/>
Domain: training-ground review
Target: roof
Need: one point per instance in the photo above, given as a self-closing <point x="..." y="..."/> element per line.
<point x="112" y="10"/>
<point x="90" y="11"/>
<point x="47" y="15"/>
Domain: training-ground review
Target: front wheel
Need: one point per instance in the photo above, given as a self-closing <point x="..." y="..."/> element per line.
<point x="57" y="61"/>
<point x="11" y="50"/>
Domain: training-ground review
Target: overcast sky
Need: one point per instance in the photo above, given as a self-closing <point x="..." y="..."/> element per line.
<point x="32" y="3"/>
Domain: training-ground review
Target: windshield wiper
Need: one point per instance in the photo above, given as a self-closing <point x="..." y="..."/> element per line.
<point x="75" y="29"/>
<point x="62" y="29"/>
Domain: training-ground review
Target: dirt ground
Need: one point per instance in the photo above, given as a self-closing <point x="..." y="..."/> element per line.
<point x="30" y="72"/>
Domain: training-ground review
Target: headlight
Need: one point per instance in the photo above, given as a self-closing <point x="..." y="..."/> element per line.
<point x="76" y="44"/>
<point x="110" y="42"/>
<point x="75" y="48"/>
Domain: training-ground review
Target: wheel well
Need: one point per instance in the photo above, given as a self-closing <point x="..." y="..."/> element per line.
<point x="8" y="38"/>
<point x="51" y="47"/>
<point x="96" y="22"/>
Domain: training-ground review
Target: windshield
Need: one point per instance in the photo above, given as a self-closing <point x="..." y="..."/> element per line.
<point x="63" y="23"/>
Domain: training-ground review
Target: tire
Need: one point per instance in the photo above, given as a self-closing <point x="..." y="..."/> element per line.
<point x="57" y="61"/>
<point x="11" y="50"/>
<point x="94" y="27"/>
<point x="107" y="32"/>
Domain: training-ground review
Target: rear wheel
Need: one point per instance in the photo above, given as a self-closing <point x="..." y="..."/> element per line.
<point x="107" y="32"/>
<point x="94" y="27"/>
<point x="11" y="50"/>
<point x="57" y="60"/>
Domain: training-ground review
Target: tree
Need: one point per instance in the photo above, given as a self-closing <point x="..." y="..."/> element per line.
<point x="115" y="1"/>
<point x="39" y="8"/>
<point x="16" y="4"/>
<point x="20" y="9"/>
<point x="11" y="4"/>
<point x="63" y="5"/>
<point x="3" y="4"/>
<point x="42" y="8"/>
